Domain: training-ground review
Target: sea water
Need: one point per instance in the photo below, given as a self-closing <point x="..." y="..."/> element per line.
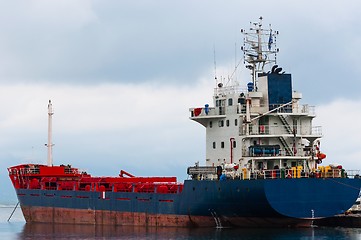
<point x="16" y="228"/>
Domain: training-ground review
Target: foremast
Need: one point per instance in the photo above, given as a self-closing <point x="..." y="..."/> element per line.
<point x="50" y="145"/>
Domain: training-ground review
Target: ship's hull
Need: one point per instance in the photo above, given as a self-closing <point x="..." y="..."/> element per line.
<point x="105" y="217"/>
<point x="238" y="203"/>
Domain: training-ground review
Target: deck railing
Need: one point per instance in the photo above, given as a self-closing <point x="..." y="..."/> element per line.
<point x="292" y="173"/>
<point x="282" y="130"/>
<point x="36" y="171"/>
<point x="241" y="109"/>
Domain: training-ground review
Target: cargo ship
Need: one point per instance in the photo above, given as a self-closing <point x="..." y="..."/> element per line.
<point x="263" y="165"/>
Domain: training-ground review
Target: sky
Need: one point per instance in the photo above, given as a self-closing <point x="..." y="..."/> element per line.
<point x="122" y="76"/>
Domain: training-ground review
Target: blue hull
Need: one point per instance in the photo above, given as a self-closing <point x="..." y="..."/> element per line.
<point x="203" y="203"/>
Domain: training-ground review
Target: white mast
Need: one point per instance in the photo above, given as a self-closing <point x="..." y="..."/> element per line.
<point x="50" y="144"/>
<point x="259" y="49"/>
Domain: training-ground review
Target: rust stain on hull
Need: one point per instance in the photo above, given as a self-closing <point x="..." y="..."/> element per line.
<point x="103" y="217"/>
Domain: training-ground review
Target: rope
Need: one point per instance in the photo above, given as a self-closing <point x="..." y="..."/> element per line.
<point x="347" y="185"/>
<point x="13" y="211"/>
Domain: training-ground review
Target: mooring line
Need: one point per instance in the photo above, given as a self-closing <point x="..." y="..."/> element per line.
<point x="13" y="211"/>
<point x="347" y="185"/>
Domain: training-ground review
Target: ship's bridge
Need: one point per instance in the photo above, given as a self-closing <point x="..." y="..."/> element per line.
<point x="235" y="105"/>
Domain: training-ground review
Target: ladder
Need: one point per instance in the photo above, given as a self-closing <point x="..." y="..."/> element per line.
<point x="285" y="145"/>
<point x="285" y="124"/>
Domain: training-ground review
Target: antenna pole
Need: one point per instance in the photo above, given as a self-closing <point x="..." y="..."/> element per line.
<point x="259" y="49"/>
<point x="215" y="63"/>
<point x="50" y="144"/>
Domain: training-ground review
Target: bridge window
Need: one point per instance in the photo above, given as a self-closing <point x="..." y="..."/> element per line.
<point x="222" y="144"/>
<point x="221" y="123"/>
<point x="235" y="122"/>
<point x="210" y="124"/>
<point x="241" y="100"/>
<point x="227" y="123"/>
<point x="230" y="102"/>
<point x="234" y="144"/>
<point x="214" y="145"/>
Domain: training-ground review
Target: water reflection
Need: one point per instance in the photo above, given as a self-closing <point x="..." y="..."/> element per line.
<point x="66" y="231"/>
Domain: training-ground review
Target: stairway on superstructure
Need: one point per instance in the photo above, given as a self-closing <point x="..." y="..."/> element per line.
<point x="282" y="139"/>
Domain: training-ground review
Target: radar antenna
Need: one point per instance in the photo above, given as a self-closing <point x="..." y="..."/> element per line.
<point x="259" y="48"/>
<point x="215" y="63"/>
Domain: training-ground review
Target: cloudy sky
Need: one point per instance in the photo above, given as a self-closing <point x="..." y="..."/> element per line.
<point x="122" y="75"/>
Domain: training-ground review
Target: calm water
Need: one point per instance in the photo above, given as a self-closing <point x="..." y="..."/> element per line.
<point x="18" y="229"/>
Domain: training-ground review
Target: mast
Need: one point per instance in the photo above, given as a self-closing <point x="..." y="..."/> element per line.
<point x="259" y="49"/>
<point x="50" y="144"/>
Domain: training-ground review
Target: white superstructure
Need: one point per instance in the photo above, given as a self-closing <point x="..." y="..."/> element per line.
<point x="263" y="126"/>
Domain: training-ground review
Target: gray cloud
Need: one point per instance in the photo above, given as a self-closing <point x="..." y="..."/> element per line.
<point x="86" y="54"/>
<point x="92" y="42"/>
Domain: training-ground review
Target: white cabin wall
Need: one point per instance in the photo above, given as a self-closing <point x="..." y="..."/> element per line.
<point x="306" y="126"/>
<point x="262" y="86"/>
<point x="219" y="134"/>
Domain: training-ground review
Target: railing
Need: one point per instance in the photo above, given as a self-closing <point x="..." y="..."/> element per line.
<point x="201" y="112"/>
<point x="308" y="109"/>
<point x="229" y="90"/>
<point x="293" y="173"/>
<point x="22" y="171"/>
<point x="316" y="130"/>
<point x="36" y="170"/>
<point x="353" y="173"/>
<point x="300" y="152"/>
<point x="241" y="109"/>
<point x="281" y="130"/>
<point x="72" y="185"/>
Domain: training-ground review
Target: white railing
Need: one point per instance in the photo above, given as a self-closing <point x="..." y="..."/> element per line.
<point x="229" y="90"/>
<point x="316" y="130"/>
<point x="239" y="109"/>
<point x="353" y="173"/>
<point x="282" y="129"/>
